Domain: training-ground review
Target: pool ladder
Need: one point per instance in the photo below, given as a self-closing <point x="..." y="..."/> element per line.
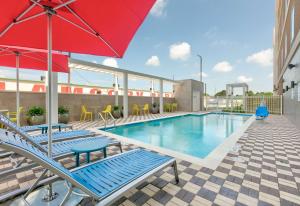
<point x="105" y="120"/>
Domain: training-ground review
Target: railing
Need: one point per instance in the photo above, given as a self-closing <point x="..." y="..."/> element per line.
<point x="112" y="117"/>
<point x="105" y="120"/>
<point x="101" y="116"/>
<point x="247" y="104"/>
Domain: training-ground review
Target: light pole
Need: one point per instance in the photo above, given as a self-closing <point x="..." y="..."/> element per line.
<point x="201" y="98"/>
<point x="200" y="57"/>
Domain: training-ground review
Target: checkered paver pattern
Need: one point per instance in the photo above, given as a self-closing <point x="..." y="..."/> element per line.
<point x="265" y="171"/>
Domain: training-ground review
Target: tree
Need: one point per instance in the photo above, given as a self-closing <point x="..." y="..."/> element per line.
<point x="221" y="93"/>
<point x="250" y="93"/>
<point x="264" y="94"/>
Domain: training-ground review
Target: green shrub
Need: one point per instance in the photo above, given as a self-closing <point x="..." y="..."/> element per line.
<point x="63" y="110"/>
<point x="36" y="111"/>
<point x="154" y="105"/>
<point x="116" y="108"/>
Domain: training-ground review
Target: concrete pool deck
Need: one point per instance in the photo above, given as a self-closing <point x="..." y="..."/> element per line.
<point x="266" y="172"/>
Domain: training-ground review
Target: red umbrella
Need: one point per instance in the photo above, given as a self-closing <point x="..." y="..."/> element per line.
<point x="29" y="59"/>
<point x="96" y="27"/>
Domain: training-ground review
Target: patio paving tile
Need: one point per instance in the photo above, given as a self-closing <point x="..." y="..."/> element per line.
<point x="269" y="175"/>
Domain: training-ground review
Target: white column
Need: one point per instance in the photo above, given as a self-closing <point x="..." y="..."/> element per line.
<point x="54" y="95"/>
<point x="161" y="99"/>
<point x="116" y="90"/>
<point x="69" y="78"/>
<point x="125" y="95"/>
<point x="152" y="91"/>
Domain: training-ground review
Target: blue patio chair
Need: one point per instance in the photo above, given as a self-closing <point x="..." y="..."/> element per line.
<point x="105" y="180"/>
<point x="43" y="138"/>
<point x="261" y="112"/>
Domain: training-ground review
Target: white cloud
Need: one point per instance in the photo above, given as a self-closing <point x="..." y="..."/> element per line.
<point x="181" y="51"/>
<point x="223" y="66"/>
<point x="111" y="62"/>
<point x="263" y="58"/>
<point x="94" y="61"/>
<point x="153" y="61"/>
<point x="159" y="8"/>
<point x="244" y="79"/>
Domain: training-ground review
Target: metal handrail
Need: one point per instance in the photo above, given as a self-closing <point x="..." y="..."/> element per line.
<point x="100" y="115"/>
<point x="112" y="118"/>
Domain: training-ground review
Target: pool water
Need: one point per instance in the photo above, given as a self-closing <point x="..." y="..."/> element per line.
<point x="195" y="135"/>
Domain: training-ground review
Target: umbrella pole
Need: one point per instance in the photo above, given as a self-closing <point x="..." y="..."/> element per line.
<point x="18" y="90"/>
<point x="51" y="195"/>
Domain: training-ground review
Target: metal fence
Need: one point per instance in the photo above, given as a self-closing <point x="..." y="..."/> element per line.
<point x="247" y="104"/>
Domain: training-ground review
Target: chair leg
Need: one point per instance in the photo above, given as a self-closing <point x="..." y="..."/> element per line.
<point x="176" y="172"/>
<point x="66" y="197"/>
<point x="120" y="146"/>
<point x="84" y="118"/>
<point x="34" y="184"/>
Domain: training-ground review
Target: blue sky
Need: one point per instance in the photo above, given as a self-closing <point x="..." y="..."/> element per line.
<point x="233" y="36"/>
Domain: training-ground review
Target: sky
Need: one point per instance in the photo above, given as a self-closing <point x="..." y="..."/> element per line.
<point x="234" y="38"/>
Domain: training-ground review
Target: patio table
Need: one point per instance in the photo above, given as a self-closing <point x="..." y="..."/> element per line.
<point x="88" y="148"/>
<point x="44" y="127"/>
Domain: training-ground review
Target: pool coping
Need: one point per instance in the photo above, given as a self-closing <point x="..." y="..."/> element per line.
<point x="212" y="160"/>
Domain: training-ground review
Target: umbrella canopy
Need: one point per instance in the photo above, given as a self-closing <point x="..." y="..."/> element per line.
<point x="32" y="59"/>
<point x="96" y="27"/>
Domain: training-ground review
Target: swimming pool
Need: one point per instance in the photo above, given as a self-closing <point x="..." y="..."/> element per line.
<point x="195" y="135"/>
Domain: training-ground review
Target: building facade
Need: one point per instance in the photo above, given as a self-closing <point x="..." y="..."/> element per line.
<point x="286" y="70"/>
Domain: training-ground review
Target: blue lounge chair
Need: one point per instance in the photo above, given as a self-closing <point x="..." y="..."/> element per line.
<point x="43" y="138"/>
<point x="104" y="180"/>
<point x="60" y="149"/>
<point x="261" y="112"/>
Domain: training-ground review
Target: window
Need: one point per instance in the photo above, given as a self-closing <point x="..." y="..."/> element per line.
<point x="292" y="24"/>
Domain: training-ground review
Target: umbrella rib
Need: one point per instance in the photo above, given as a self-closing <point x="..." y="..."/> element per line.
<point x="41" y="60"/>
<point x="93" y="30"/>
<point x="94" y="34"/>
<point x="31" y="17"/>
<point x="63" y="4"/>
<point x="77" y="16"/>
<point x="36" y="2"/>
<point x="5" y="49"/>
<point x="19" y="16"/>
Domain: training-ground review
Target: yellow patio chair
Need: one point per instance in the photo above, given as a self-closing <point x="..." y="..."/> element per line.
<point x="13" y="115"/>
<point x="146" y="109"/>
<point x="135" y="109"/>
<point x="174" y="107"/>
<point x="107" y="111"/>
<point x="85" y="114"/>
<point x="167" y="107"/>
